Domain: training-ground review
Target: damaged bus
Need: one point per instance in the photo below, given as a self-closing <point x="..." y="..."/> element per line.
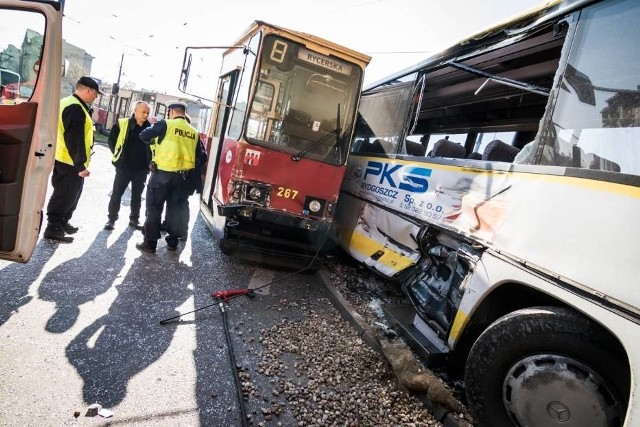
<point x="280" y="130"/>
<point x="498" y="183"/>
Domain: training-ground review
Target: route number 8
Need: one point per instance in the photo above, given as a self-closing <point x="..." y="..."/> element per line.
<point x="278" y="51"/>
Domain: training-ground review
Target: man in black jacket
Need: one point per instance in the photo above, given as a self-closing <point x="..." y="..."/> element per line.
<point x="73" y="155"/>
<point x="131" y="157"/>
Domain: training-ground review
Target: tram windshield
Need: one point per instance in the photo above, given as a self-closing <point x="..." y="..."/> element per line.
<point x="304" y="102"/>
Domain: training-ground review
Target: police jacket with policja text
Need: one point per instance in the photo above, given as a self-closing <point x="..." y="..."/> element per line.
<point x="176" y="144"/>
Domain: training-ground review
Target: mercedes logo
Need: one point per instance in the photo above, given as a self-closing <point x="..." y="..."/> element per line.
<point x="558" y="411"/>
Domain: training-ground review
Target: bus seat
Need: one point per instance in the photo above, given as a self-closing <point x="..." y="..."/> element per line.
<point x="475" y="156"/>
<point x="415" y="148"/>
<point x="604" y="164"/>
<point x="499" y="151"/>
<point x="446" y="148"/>
<point x="374" y="147"/>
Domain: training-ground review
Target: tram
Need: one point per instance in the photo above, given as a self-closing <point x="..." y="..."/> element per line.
<point x="281" y="125"/>
<point x="498" y="184"/>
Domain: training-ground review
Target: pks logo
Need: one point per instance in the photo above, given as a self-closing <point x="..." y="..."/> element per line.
<point x="407" y="178"/>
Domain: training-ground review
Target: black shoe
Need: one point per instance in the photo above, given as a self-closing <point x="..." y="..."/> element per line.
<point x="109" y="225"/>
<point x="172" y="247"/>
<point x="57" y="235"/>
<point x="142" y="247"/>
<point x="135" y="224"/>
<point x="69" y="229"/>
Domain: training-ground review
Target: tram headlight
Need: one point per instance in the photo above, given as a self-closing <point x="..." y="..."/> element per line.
<point x="315" y="206"/>
<point x="255" y="193"/>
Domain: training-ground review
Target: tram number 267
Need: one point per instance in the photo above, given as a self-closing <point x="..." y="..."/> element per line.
<point x="287" y="193"/>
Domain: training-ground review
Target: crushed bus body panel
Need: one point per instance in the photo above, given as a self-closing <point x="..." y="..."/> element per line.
<point x="498" y="184"/>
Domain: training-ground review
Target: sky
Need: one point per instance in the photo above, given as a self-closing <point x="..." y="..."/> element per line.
<point x="153" y="35"/>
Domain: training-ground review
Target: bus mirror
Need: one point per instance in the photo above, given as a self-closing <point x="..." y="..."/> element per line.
<point x="65" y="67"/>
<point x="184" y="75"/>
<point x="581" y="83"/>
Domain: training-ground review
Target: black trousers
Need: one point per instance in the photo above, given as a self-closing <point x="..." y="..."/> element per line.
<point x="67" y="188"/>
<point x="172" y="189"/>
<point x="123" y="177"/>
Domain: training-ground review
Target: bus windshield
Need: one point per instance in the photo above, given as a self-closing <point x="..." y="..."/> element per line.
<point x="303" y="102"/>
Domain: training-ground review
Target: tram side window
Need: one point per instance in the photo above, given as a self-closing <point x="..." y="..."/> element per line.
<point x="596" y="120"/>
<point x="242" y="94"/>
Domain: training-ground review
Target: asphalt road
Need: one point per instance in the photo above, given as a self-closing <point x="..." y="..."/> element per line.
<point x="79" y="324"/>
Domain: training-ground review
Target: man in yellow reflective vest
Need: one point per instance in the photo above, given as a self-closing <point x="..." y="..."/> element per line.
<point x="131" y="157"/>
<point x="174" y="159"/>
<point x="73" y="154"/>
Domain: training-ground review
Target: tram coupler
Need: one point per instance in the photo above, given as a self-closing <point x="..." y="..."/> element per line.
<point x="226" y="294"/>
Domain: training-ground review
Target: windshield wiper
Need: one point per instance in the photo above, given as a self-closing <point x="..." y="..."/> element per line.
<point x="296" y="157"/>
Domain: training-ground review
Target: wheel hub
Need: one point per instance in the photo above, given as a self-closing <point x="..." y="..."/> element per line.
<point x="547" y="390"/>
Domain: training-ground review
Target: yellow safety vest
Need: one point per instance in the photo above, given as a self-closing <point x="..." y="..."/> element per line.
<point x="177" y="151"/>
<point x="124" y="124"/>
<point x="62" y="153"/>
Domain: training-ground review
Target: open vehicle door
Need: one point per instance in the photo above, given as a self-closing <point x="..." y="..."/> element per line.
<point x="31" y="46"/>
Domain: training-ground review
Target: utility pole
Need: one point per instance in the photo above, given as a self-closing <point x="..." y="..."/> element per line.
<point x="116" y="89"/>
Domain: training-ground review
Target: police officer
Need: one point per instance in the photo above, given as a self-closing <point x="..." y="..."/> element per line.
<point x="131" y="158"/>
<point x="175" y="157"/>
<point x="73" y="154"/>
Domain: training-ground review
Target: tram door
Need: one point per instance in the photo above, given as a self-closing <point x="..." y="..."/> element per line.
<point x="222" y="112"/>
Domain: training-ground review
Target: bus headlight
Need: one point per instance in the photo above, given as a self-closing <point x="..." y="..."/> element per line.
<point x="315" y="206"/>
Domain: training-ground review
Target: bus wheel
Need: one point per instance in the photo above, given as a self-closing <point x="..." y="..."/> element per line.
<point x="546" y="366"/>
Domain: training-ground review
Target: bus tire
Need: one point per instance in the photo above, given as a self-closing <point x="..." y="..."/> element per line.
<point x="546" y="366"/>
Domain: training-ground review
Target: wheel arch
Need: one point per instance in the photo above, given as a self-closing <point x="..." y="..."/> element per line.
<point x="510" y="297"/>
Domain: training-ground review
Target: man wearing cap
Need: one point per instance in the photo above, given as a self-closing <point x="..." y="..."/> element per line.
<point x="131" y="157"/>
<point x="73" y="154"/>
<point x="175" y="156"/>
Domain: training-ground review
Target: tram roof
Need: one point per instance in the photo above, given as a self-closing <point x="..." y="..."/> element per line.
<point x="314" y="39"/>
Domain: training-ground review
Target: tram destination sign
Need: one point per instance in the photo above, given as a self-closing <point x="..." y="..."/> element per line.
<point x="324" y="61"/>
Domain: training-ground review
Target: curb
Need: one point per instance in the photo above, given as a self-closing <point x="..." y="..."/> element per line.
<point x="448" y="419"/>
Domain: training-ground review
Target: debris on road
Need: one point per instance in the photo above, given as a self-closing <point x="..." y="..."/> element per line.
<point x="93" y="409"/>
<point x="339" y="379"/>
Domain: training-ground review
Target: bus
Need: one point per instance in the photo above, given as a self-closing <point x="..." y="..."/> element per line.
<point x="280" y="129"/>
<point x="498" y="184"/>
<point x="28" y="121"/>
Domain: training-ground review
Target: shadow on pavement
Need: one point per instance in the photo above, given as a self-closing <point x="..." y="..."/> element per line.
<point x="17" y="278"/>
<point x="128" y="339"/>
<point x="75" y="282"/>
